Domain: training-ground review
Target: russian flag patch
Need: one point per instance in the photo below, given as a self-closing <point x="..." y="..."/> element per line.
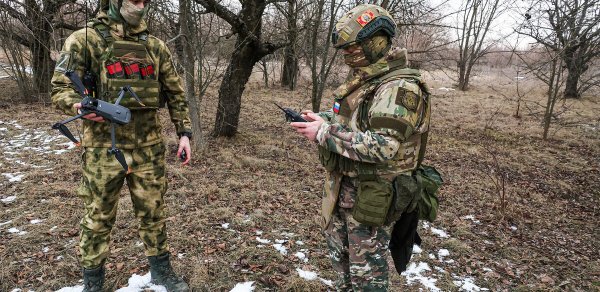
<point x="336" y="107"/>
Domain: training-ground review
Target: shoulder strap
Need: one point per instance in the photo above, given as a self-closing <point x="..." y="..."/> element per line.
<point x="104" y="31"/>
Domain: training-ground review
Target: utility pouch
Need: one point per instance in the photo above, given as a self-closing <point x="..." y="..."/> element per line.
<point x="328" y="159"/>
<point x="374" y="198"/>
<point x="430" y="181"/>
<point x="407" y="194"/>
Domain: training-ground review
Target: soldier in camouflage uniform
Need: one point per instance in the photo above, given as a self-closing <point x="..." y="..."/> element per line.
<point x="117" y="50"/>
<point x="375" y="132"/>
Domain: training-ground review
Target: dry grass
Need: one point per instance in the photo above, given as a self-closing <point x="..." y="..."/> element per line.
<point x="268" y="179"/>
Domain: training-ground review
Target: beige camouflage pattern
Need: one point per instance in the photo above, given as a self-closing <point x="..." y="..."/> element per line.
<point x="144" y="128"/>
<point x="376" y="128"/>
<point x="102" y="180"/>
<point x="357" y="251"/>
<point x="354" y="20"/>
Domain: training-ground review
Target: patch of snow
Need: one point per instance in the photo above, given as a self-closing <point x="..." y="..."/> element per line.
<point x="326" y="282"/>
<point x="225" y="225"/>
<point x="53" y="228"/>
<point x="45" y="249"/>
<point x="13" y="230"/>
<point x="414" y="273"/>
<point x="446" y="89"/>
<point x="139" y="283"/>
<point x="13" y="177"/>
<point x="416" y="249"/>
<point x="280" y="241"/>
<point x="243" y="287"/>
<point x="259" y="232"/>
<point x="180" y="255"/>
<point x="58" y="258"/>
<point x="439" y="232"/>
<point x="513" y="228"/>
<point x="299" y="242"/>
<point x="288" y="234"/>
<point x="443" y="253"/>
<point x="8" y="199"/>
<point x="432" y="256"/>
<point x="36" y="221"/>
<point x="71" y="289"/>
<point x="308" y="275"/>
<point x="439" y="269"/>
<point x="301" y="256"/>
<point x="487" y="269"/>
<point x="263" y="241"/>
<point x="279" y="247"/>
<point x="467" y="284"/>
<point x="5" y="223"/>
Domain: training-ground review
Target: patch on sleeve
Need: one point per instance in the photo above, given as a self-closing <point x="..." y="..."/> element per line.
<point x="407" y="99"/>
<point x="64" y="62"/>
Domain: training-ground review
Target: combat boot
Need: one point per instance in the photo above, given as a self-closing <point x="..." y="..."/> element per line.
<point x="162" y="274"/>
<point x="93" y="279"/>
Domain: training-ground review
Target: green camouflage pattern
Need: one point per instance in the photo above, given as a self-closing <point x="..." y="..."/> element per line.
<point x="144" y="128"/>
<point x="102" y="180"/>
<point x="357" y="251"/>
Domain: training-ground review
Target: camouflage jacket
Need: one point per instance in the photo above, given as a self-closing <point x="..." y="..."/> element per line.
<point x="378" y="117"/>
<point x="144" y="128"/>
<point x="379" y="121"/>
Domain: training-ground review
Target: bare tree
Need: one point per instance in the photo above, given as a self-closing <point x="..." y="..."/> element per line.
<point x="249" y="49"/>
<point x="290" y="56"/>
<point x="33" y="23"/>
<point x="188" y="43"/>
<point x="575" y="24"/>
<point x="475" y="20"/>
<point x="320" y="55"/>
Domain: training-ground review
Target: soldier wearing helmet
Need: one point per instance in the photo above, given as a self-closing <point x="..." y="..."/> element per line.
<point x="113" y="51"/>
<point x="370" y="142"/>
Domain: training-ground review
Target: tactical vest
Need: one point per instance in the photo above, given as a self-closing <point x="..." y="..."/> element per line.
<point x="127" y="63"/>
<point x="411" y="151"/>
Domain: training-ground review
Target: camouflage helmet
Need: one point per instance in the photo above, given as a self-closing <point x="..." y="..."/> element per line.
<point x="360" y="23"/>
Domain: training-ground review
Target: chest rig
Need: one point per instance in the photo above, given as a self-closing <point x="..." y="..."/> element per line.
<point x="127" y="63"/>
<point x="353" y="111"/>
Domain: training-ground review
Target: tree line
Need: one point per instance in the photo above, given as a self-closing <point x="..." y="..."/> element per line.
<point x="224" y="41"/>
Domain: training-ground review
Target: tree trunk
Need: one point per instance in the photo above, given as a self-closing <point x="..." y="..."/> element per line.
<point x="290" y="62"/>
<point x="188" y="62"/>
<point x="290" y="68"/>
<point x="572" y="83"/>
<point x="231" y="89"/>
<point x="41" y="63"/>
<point x="463" y="81"/>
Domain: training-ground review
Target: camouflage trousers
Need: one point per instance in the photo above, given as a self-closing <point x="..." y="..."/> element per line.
<point x="357" y="251"/>
<point x="102" y="180"/>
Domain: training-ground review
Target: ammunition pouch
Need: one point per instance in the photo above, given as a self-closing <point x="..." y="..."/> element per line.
<point x="407" y="194"/>
<point x="430" y="181"/>
<point x="374" y="197"/>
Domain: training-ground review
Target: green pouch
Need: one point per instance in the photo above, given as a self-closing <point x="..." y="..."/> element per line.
<point x="328" y="159"/>
<point x="373" y="202"/>
<point x="430" y="180"/>
<point x="407" y="194"/>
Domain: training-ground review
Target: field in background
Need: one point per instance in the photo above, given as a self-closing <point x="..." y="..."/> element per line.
<point x="245" y="209"/>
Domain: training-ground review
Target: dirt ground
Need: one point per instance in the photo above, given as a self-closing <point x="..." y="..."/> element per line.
<point x="539" y="232"/>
